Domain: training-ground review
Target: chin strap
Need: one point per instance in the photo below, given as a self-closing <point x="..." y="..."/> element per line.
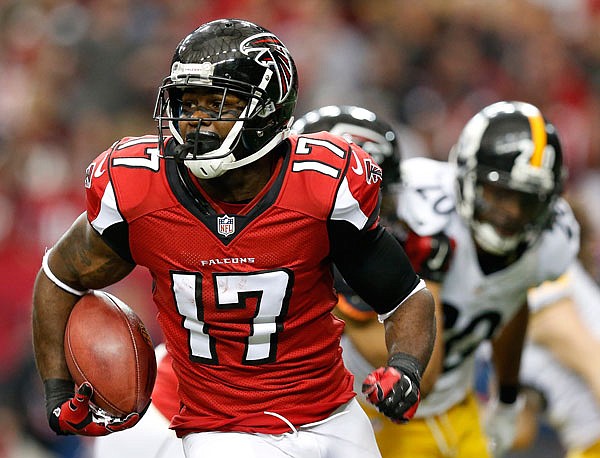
<point x="276" y="140"/>
<point x="487" y="238"/>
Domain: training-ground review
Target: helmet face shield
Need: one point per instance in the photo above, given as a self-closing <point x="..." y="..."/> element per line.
<point x="229" y="59"/>
<point x="219" y="104"/>
<point x="508" y="210"/>
<point x="511" y="148"/>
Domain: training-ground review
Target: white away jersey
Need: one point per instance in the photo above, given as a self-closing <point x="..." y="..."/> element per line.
<point x="475" y="305"/>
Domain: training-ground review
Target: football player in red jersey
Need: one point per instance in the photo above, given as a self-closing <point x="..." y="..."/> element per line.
<point x="151" y="438"/>
<point x="239" y="224"/>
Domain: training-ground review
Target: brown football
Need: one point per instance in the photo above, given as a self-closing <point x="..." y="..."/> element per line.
<point x="107" y="345"/>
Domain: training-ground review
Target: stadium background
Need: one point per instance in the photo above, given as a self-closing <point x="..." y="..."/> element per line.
<point x="77" y="75"/>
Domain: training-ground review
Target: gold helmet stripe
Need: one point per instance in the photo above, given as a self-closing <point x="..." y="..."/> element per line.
<point x="539" y="137"/>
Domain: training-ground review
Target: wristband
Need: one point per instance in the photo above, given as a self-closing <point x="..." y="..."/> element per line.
<point x="408" y="365"/>
<point x="56" y="392"/>
<point x="507" y="394"/>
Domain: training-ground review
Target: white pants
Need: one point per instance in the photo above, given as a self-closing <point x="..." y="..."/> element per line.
<point x="150" y="438"/>
<point x="345" y="434"/>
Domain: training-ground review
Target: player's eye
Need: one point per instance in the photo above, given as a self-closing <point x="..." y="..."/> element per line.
<point x="188" y="107"/>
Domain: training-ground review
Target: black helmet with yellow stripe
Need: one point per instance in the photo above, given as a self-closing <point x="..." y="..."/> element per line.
<point x="511" y="145"/>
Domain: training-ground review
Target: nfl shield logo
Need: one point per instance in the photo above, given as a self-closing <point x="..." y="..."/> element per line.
<point x="225" y="225"/>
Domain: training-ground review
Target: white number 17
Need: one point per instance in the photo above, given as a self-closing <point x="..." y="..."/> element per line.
<point x="269" y="289"/>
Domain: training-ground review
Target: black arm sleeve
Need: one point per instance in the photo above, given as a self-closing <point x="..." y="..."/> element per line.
<point x="117" y="237"/>
<point x="373" y="264"/>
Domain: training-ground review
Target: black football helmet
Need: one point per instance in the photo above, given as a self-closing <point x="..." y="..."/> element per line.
<point x="363" y="127"/>
<point x="232" y="57"/>
<point x="511" y="145"/>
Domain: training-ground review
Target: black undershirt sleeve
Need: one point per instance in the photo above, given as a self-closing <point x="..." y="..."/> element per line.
<point x="116" y="236"/>
<point x="373" y="263"/>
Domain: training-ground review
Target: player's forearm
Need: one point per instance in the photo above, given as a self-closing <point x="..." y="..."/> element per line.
<point x="411" y="328"/>
<point x="51" y="308"/>
<point x="589" y="368"/>
<point x="579" y="352"/>
<point x="435" y="366"/>
<point x="508" y="347"/>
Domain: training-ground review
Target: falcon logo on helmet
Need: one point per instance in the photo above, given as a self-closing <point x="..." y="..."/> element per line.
<point x="271" y="52"/>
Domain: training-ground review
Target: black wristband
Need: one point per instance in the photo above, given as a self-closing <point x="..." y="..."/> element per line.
<point x="57" y="391"/>
<point x="507" y="394"/>
<point x="408" y="365"/>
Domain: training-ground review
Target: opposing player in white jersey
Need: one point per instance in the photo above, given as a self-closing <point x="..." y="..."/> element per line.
<point x="482" y="228"/>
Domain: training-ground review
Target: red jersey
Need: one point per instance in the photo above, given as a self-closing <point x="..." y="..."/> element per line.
<point x="164" y="394"/>
<point x="244" y="299"/>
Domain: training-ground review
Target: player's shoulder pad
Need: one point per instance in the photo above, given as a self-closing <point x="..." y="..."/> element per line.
<point x="128" y="154"/>
<point x="124" y="176"/>
<point x="550" y="292"/>
<point x="427" y="199"/>
<point x="341" y="146"/>
<point x="326" y="136"/>
<point x="559" y="243"/>
<point x="332" y="171"/>
<point x="135" y="146"/>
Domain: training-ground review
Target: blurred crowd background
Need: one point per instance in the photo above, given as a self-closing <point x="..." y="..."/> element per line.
<point x="77" y="75"/>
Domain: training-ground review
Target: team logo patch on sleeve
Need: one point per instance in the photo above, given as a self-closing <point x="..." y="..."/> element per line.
<point x="88" y="175"/>
<point x="225" y="225"/>
<point x="373" y="173"/>
<point x="271" y="52"/>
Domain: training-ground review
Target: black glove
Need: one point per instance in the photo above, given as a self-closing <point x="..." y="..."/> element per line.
<point x="395" y="389"/>
<point x="71" y="414"/>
